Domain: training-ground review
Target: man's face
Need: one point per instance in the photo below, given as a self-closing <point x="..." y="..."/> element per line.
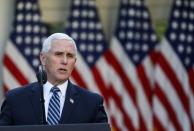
<point x="59" y="61"/>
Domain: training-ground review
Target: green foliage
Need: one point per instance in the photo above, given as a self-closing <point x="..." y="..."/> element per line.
<point x="57" y="27"/>
<point x="161" y="27"/>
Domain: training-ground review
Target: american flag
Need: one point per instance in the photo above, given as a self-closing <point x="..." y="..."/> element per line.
<point x="21" y="56"/>
<point x="84" y="26"/>
<point x="174" y="94"/>
<point x="131" y="59"/>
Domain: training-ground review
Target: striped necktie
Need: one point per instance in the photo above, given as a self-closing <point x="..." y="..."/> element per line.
<point x="53" y="116"/>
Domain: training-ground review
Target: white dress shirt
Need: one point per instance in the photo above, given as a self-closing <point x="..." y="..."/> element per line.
<point x="48" y="94"/>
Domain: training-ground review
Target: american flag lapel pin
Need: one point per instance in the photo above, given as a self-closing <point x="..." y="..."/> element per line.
<point x="71" y="100"/>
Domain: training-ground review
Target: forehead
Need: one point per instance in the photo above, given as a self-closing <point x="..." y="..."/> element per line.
<point x="61" y="45"/>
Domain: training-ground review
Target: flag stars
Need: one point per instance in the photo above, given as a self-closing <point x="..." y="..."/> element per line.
<point x="121" y="34"/>
<point x="183" y="26"/>
<point x="82" y="47"/>
<point x="75" y="24"/>
<point x="145" y="15"/>
<point x="27" y="51"/>
<point x="76" y="13"/>
<point x="90" y="58"/>
<point x="123" y="24"/>
<point x="28" y="17"/>
<point x="19" y="28"/>
<point x="36" y="29"/>
<point x="136" y="57"/>
<point x="98" y="26"/>
<point x="131" y="12"/>
<point x="191" y="15"/>
<point x="36" y="40"/>
<point x="20" y="6"/>
<point x="185" y="14"/>
<point x="74" y="35"/>
<point x="20" y="17"/>
<point x="99" y="37"/>
<point x="145" y="47"/>
<point x="99" y="48"/>
<point x="174" y="25"/>
<point x="84" y="13"/>
<point x="36" y="51"/>
<point x="91" y="25"/>
<point x="91" y="14"/>
<point x="180" y="48"/>
<point x="131" y="23"/>
<point x="129" y="46"/>
<point x="35" y="62"/>
<point x="28" y="6"/>
<point x="76" y="2"/>
<point x="189" y="38"/>
<point x="191" y="27"/>
<point x="182" y="37"/>
<point x="178" y="3"/>
<point x="189" y="49"/>
<point x="176" y="14"/>
<point x="123" y="12"/>
<point x="83" y="36"/>
<point x="83" y="24"/>
<point x="153" y="37"/>
<point x="28" y="28"/>
<point x="90" y="47"/>
<point x="91" y="36"/>
<point x="137" y="47"/>
<point x="36" y="18"/>
<point x="172" y="36"/>
<point x="91" y="3"/>
<point x="28" y="40"/>
<point x="187" y="61"/>
<point x="19" y="40"/>
<point x="192" y="4"/>
<point x="130" y="34"/>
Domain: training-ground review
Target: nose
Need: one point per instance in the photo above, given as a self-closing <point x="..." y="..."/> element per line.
<point x="65" y="59"/>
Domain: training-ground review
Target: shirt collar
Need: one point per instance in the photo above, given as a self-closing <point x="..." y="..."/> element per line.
<point x="63" y="87"/>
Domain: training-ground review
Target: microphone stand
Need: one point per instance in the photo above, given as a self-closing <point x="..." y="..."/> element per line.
<point x="42" y="78"/>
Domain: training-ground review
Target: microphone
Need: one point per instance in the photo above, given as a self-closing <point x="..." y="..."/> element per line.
<point x="42" y="79"/>
<point x="41" y="75"/>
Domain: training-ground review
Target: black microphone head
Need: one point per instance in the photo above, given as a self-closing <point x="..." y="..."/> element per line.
<point x="41" y="75"/>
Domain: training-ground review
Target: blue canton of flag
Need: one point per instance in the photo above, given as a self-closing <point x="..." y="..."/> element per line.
<point x="181" y="31"/>
<point x="135" y="31"/>
<point x="85" y="28"/>
<point x="21" y="57"/>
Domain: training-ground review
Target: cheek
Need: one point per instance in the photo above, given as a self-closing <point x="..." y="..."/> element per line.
<point x="72" y="65"/>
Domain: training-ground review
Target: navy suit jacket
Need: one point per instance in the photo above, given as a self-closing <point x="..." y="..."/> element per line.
<point x="22" y="106"/>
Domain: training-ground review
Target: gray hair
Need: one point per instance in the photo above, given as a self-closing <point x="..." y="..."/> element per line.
<point x="56" y="36"/>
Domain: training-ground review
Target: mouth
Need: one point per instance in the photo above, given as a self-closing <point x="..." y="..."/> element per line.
<point x="62" y="70"/>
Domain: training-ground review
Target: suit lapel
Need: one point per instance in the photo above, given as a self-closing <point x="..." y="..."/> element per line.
<point x="34" y="97"/>
<point x="71" y="101"/>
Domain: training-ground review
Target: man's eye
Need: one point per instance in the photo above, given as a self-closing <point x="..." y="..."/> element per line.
<point x="58" y="53"/>
<point x="70" y="55"/>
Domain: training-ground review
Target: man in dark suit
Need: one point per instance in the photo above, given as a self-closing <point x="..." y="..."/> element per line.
<point x="75" y="104"/>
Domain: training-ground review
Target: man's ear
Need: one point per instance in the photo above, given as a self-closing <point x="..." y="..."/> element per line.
<point x="42" y="58"/>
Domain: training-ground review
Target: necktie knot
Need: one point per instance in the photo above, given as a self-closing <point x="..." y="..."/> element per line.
<point x="55" y="90"/>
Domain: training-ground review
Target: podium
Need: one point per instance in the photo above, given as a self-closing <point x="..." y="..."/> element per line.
<point x="64" y="127"/>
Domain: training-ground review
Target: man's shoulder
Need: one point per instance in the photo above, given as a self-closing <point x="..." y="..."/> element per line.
<point x="18" y="91"/>
<point x="84" y="92"/>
